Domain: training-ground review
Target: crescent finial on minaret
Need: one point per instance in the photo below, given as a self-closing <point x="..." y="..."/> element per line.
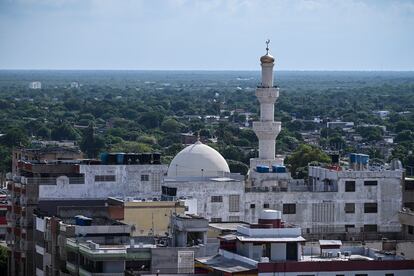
<point x="267" y="46"/>
<point x="267" y="58"/>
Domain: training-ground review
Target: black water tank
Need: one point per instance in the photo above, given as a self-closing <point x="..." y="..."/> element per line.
<point x="156" y="158"/>
<point x="131" y="159"/>
<point x="111" y="158"/>
<point x="335" y="158"/>
<point x="146" y="158"/>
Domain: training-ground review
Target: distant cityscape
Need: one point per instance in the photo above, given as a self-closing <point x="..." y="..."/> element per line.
<point x="230" y="184"/>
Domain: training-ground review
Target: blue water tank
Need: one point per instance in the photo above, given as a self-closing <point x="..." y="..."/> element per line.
<point x="83" y="221"/>
<point x="363" y="158"/>
<point x="352" y="157"/>
<point x="279" y="169"/>
<point x="262" y="169"/>
<point x="358" y="158"/>
<point x="104" y="158"/>
<point x="120" y="158"/>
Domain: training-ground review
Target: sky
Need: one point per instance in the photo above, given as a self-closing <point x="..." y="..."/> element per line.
<point x="206" y="34"/>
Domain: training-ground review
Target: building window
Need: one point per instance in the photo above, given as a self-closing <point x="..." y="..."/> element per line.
<point x="348" y="226"/>
<point x="252" y="206"/>
<point x="234" y="218"/>
<point x="349" y="186"/>
<point x="266" y="205"/>
<point x="234" y="203"/>
<point x="370" y="183"/>
<point x="104" y="178"/>
<point x="77" y="179"/>
<point x="289" y="208"/>
<point x="361" y="274"/>
<point x="144" y="177"/>
<point x="410" y="229"/>
<point x="370" y="208"/>
<point x="350" y="208"/>
<point x="215" y="220"/>
<point x="216" y="199"/>
<point x="370" y="228"/>
<point x="389" y="274"/>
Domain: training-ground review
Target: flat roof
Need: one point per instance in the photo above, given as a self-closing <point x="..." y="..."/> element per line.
<point x="220" y="263"/>
<point x="229" y="226"/>
<point x="269" y="239"/>
<point x="330" y="242"/>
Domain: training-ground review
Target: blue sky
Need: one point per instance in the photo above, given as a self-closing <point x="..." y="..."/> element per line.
<point x="206" y="34"/>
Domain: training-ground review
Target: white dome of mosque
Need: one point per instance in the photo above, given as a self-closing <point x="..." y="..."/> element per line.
<point x="198" y="160"/>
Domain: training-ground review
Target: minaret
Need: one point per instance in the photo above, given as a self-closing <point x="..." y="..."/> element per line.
<point x="266" y="129"/>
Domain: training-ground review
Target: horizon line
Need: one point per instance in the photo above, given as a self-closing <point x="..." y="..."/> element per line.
<point x="215" y="70"/>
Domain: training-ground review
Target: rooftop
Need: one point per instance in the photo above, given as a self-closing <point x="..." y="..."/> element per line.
<point x="227" y="226"/>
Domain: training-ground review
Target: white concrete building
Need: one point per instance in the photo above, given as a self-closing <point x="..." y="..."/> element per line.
<point x="201" y="173"/>
<point x="35" y="85"/>
<point x="322" y="205"/>
<point x="103" y="181"/>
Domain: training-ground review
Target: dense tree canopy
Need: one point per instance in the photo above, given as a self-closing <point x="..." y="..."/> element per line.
<point x="148" y="111"/>
<point x="302" y="156"/>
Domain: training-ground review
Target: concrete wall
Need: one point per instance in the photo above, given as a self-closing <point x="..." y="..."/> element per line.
<point x="147" y="215"/>
<point x="204" y="190"/>
<point x="127" y="183"/>
<point x="165" y="260"/>
<point x="278" y="251"/>
<point x="324" y="211"/>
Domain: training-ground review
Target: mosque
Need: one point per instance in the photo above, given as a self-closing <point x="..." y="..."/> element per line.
<point x="320" y="205"/>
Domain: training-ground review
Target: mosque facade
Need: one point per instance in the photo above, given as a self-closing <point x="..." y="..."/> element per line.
<point x="324" y="204"/>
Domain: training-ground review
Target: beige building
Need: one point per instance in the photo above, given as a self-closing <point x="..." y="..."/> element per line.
<point x="151" y="217"/>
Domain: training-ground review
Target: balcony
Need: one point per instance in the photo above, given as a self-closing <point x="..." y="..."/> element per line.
<point x="71" y="267"/>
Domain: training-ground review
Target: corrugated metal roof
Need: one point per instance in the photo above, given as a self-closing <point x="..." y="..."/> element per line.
<point x="221" y="263"/>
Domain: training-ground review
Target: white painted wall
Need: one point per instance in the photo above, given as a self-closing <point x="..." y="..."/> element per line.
<point x="278" y="251"/>
<point x="40" y="224"/>
<point x="127" y="183"/>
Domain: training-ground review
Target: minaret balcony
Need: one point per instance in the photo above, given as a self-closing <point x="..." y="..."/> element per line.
<point x="267" y="126"/>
